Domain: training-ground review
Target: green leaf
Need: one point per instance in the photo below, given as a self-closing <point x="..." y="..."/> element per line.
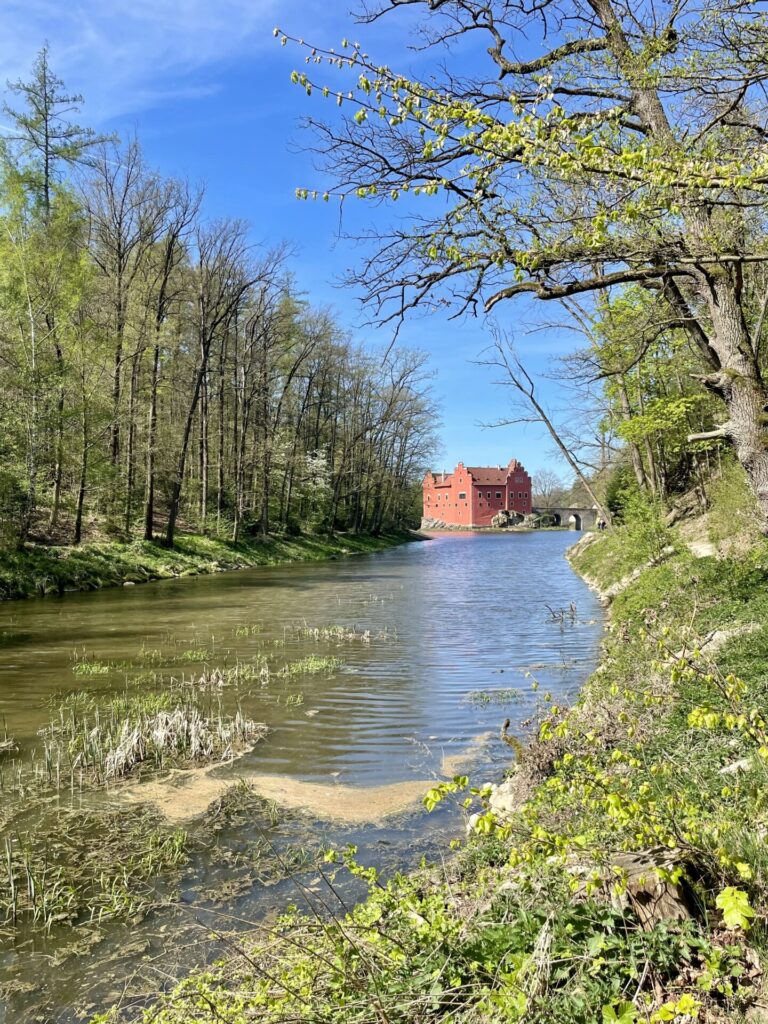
<point x="734" y="906"/>
<point x="622" y="1013"/>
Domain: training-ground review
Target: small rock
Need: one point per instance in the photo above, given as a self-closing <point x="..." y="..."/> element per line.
<point x="735" y="767"/>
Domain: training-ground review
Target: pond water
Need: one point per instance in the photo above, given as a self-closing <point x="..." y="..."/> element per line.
<point x="441" y="641"/>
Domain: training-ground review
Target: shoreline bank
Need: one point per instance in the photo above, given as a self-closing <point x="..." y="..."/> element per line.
<point x="37" y="571"/>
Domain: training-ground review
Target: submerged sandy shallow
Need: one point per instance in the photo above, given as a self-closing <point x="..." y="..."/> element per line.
<point x="186" y="794"/>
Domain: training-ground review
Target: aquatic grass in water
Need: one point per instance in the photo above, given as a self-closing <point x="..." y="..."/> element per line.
<point x="92" y="668"/>
<point x="309" y="666"/>
<point x="91" y="743"/>
<point x="196" y="654"/>
<point x="342" y="633"/>
<point x="86" y="866"/>
<point x="85" y="664"/>
<point x="247" y="630"/>
<point x="482" y="697"/>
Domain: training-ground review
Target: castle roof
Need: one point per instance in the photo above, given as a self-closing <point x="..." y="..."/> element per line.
<point x="484" y="476"/>
<point x="488" y="475"/>
<point x="438" y="479"/>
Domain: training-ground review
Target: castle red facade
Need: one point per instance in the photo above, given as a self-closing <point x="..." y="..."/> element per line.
<point x="473" y="495"/>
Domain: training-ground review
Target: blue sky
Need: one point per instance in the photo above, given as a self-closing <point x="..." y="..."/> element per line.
<point x="206" y="87"/>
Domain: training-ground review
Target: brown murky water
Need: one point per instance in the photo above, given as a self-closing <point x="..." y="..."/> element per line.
<point x="442" y="642"/>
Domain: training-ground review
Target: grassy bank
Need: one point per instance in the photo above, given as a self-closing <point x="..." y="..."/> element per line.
<point x="35" y="570"/>
<point x="619" y="874"/>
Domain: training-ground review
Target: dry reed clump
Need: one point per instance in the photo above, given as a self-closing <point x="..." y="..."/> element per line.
<point x="97" y="745"/>
<point x="182" y="734"/>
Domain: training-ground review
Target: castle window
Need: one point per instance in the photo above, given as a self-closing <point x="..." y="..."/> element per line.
<point x="462" y="494"/>
<point x="498" y="494"/>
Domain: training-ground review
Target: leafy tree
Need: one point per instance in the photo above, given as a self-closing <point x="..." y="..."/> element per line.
<point x="43" y="131"/>
<point x="628" y="147"/>
<point x="650" y="400"/>
<point x="42" y="141"/>
<point x="42" y="284"/>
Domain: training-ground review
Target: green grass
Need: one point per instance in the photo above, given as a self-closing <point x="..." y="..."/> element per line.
<point x="35" y="570"/>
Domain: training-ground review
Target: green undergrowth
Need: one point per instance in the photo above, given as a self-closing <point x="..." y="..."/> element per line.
<point x="35" y="570"/>
<point x="612" y="557"/>
<point x="624" y="880"/>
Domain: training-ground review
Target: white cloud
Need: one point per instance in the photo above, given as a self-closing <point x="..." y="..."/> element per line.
<point x="127" y="55"/>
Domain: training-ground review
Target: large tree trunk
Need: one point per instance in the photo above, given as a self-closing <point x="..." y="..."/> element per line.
<point x="130" y="456"/>
<point x="221" y="475"/>
<point x="117" y="380"/>
<point x="204" y="453"/>
<point x="740" y="384"/>
<point x="737" y="379"/>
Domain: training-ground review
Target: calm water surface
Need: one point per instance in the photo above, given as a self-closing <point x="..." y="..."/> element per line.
<point x="460" y="627"/>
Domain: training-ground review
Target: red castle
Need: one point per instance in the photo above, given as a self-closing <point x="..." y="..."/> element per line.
<point x="473" y="495"/>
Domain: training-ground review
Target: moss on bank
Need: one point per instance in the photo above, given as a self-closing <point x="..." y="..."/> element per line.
<point x="35" y="570"/>
<point x="620" y="875"/>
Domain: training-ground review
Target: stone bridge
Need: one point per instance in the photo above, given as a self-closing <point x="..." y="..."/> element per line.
<point x="573" y="518"/>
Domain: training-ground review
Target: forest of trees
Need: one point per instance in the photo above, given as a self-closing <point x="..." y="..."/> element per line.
<point x="158" y="370"/>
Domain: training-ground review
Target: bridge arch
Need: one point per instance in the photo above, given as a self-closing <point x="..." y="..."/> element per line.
<point x="574" y="521"/>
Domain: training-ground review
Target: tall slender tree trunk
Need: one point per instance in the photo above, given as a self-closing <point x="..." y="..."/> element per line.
<point x="178" y="482"/>
<point x="78" y="531"/>
<point x="220" y="474"/>
<point x="130" y="460"/>
<point x="204" y="452"/>
<point x="634" y="452"/>
<point x="149" y="501"/>
<point x="117" y="378"/>
<point x="58" y="469"/>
